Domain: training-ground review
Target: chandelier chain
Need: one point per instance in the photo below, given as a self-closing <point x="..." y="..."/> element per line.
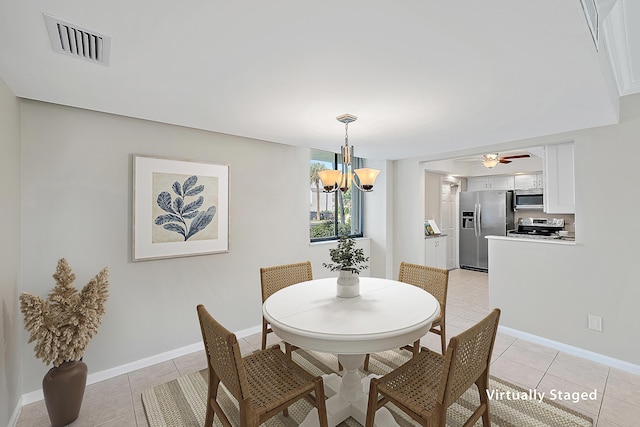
<point x="346" y="133"/>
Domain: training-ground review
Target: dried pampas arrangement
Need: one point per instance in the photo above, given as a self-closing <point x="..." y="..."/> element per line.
<point x="63" y="325"/>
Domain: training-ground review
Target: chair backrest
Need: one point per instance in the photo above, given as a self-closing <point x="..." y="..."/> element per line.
<point x="467" y="358"/>
<point x="223" y="354"/>
<point x="280" y="276"/>
<point x="431" y="279"/>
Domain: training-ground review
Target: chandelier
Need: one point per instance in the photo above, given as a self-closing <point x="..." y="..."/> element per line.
<point x="334" y="180"/>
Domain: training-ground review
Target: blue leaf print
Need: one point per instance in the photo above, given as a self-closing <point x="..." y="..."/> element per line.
<point x="191" y="215"/>
<point x="163" y="219"/>
<point x="164" y="201"/>
<point x="178" y="204"/>
<point x="194" y="191"/>
<point x="177" y="188"/>
<point x="190" y="182"/>
<point x="175" y="227"/>
<point x="201" y="221"/>
<point x="193" y="205"/>
<point x="182" y="216"/>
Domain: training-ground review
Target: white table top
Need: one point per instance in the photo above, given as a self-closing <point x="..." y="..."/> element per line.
<point x="386" y="315"/>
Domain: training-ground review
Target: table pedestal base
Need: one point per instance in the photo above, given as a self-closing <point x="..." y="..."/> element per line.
<point x="348" y="396"/>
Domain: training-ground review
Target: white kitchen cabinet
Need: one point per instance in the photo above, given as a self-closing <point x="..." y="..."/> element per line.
<point x="477" y="183"/>
<point x="436" y="252"/>
<point x="492" y="182"/>
<point x="559" y="179"/>
<point x="528" y="182"/>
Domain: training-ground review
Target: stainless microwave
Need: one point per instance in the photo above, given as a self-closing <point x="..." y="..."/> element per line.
<point x="528" y="199"/>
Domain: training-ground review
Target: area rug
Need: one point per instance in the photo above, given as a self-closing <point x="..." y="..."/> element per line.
<point x="181" y="402"/>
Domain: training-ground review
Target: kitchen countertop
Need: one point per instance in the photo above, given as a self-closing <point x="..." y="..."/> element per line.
<point x="530" y="240"/>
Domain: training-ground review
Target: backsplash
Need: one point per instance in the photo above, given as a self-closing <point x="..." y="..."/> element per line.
<point x="569" y="219"/>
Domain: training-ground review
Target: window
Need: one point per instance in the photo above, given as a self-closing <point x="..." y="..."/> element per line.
<point x="332" y="214"/>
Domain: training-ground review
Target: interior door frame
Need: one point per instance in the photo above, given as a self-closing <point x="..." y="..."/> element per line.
<point x="453" y="240"/>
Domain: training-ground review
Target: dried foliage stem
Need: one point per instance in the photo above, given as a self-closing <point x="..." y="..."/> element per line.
<point x="63" y="325"/>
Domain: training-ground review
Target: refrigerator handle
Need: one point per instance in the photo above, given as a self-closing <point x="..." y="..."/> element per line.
<point x="479" y="220"/>
<point x="475" y="220"/>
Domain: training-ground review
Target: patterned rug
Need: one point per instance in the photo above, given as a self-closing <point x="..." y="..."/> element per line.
<point x="181" y="402"/>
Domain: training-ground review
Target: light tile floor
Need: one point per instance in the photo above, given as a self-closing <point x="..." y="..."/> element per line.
<point x="117" y="401"/>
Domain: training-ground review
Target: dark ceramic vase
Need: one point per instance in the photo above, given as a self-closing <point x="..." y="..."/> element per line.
<point x="63" y="389"/>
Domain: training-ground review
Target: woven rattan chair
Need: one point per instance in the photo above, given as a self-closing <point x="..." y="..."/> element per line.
<point x="435" y="281"/>
<point x="264" y="383"/>
<point x="426" y="385"/>
<point x="279" y="277"/>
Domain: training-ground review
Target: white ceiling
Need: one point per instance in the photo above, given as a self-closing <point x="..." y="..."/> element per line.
<point x="423" y="76"/>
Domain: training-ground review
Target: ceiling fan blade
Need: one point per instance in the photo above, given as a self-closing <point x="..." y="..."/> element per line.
<point x="519" y="156"/>
<point x="504" y="161"/>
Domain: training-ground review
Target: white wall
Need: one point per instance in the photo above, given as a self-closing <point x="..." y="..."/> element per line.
<point x="77" y="168"/>
<point x="9" y="253"/>
<point x="408" y="210"/>
<point x="597" y="276"/>
<point x="379" y="215"/>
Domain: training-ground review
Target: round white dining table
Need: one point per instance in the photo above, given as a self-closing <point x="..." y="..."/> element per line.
<point x="387" y="314"/>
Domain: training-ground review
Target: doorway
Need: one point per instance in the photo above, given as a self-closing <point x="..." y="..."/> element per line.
<point x="449" y="218"/>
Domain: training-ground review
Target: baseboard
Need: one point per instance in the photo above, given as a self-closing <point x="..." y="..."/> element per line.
<point x="13" y="421"/>
<point x="575" y="351"/>
<point x="37" y="395"/>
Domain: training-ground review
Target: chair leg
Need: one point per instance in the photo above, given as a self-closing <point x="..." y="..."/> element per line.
<point x="208" y="422"/>
<point x="264" y="333"/>
<point x="366" y="362"/>
<point x="372" y="403"/>
<point x="416" y="348"/>
<point x="482" y="384"/>
<point x="288" y="348"/>
<point x="321" y="404"/>
<point x="443" y="338"/>
<point x="247" y="416"/>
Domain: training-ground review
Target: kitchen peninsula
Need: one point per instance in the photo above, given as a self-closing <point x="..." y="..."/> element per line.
<point x="558" y="241"/>
<point x="531" y="280"/>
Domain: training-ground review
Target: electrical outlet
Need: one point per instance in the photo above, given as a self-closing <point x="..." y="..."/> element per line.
<point x="595" y="323"/>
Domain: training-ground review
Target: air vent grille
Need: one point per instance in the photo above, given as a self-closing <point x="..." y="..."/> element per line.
<point x="75" y="41"/>
<point x="591" y="14"/>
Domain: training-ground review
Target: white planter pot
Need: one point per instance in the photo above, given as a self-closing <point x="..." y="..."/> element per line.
<point x="348" y="284"/>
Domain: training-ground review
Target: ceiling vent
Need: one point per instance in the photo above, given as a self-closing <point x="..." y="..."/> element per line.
<point x="79" y="42"/>
<point x="591" y="14"/>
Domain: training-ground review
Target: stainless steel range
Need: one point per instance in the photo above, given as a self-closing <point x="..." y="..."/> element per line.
<point x="538" y="228"/>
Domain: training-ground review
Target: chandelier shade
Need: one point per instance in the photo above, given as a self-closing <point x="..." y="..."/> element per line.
<point x="367" y="177"/>
<point x="330" y="178"/>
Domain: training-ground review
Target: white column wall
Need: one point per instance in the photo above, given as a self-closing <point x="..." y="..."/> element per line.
<point x="10" y="322"/>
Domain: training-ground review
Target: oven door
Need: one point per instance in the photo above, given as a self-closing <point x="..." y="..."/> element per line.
<point x="528" y="199"/>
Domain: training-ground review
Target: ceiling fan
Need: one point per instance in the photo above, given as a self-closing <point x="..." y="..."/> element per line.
<point x="491" y="160"/>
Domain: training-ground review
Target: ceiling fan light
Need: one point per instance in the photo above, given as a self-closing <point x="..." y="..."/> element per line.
<point x="490" y="163"/>
<point x="490" y="160"/>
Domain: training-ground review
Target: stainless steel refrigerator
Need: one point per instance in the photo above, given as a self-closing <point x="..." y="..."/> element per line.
<point x="482" y="213"/>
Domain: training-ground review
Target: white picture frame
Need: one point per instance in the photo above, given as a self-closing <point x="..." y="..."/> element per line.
<point x="180" y="208"/>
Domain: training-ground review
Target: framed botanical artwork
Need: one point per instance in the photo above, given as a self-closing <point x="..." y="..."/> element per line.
<point x="180" y="208"/>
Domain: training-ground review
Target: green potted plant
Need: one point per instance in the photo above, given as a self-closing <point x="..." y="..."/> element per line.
<point x="62" y="326"/>
<point x="349" y="261"/>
